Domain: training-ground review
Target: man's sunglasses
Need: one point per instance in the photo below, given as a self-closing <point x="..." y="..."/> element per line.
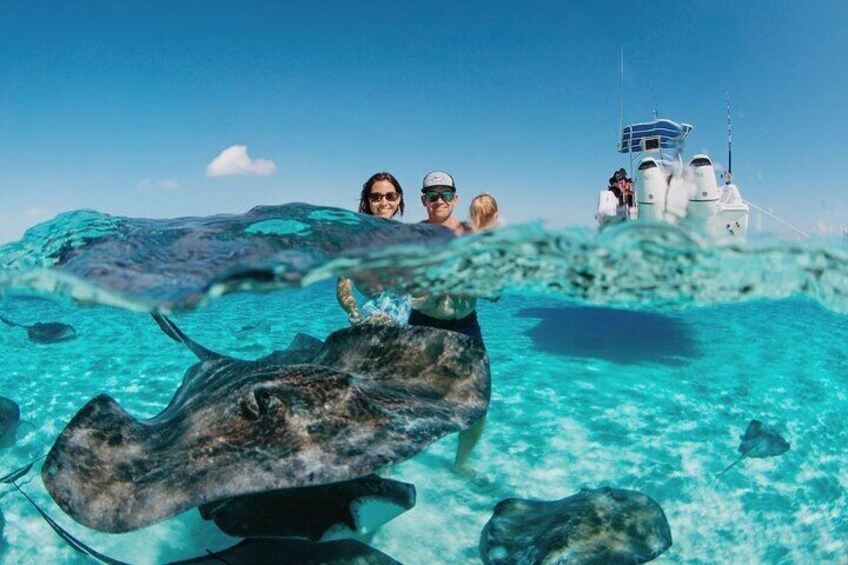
<point x="447" y="196"/>
<point x="377" y="196"/>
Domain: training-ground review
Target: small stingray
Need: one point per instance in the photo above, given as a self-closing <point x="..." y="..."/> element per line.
<point x="319" y="513"/>
<point x="604" y="525"/>
<point x="371" y="396"/>
<point x="261" y="327"/>
<point x="10" y="421"/>
<point x="260" y="551"/>
<point x="45" y="332"/>
<point x="759" y="442"/>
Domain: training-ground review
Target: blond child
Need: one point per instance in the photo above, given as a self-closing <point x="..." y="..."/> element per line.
<point x="484" y="212"/>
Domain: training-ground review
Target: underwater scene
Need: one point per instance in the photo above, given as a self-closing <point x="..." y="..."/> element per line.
<point x="171" y="388"/>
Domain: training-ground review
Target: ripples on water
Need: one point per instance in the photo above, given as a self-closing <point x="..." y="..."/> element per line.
<point x="624" y="359"/>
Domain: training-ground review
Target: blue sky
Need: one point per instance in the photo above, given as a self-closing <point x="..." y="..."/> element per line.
<point x="121" y="106"/>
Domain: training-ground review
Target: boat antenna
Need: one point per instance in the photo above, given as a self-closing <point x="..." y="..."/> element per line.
<point x="656" y="105"/>
<point x="621" y="79"/>
<point x="621" y="109"/>
<point x="728" y="175"/>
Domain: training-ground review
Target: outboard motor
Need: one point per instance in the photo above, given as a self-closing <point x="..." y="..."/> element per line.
<point x="704" y="177"/>
<point x="651" y="187"/>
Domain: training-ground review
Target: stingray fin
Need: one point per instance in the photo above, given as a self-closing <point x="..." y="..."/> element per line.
<point x="371" y="512"/>
<point x="744" y="455"/>
<point x="755" y="428"/>
<point x="171" y="330"/>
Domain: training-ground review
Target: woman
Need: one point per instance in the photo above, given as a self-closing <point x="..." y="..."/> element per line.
<point x="381" y="196"/>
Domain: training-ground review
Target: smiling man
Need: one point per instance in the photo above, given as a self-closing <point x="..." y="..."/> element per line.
<point x="438" y="194"/>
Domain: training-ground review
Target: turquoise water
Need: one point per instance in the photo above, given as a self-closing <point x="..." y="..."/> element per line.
<point x="652" y="397"/>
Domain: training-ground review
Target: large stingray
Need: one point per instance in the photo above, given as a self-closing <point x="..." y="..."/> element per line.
<point x="371" y="396"/>
<point x="605" y="525"/>
<point x="45" y="332"/>
<point x="294" y="552"/>
<point x="320" y="513"/>
<point x="759" y="442"/>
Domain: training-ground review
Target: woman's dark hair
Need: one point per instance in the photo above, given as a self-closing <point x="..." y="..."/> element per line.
<point x="364" y="207"/>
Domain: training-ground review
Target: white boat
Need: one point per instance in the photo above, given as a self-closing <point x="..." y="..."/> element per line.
<point x="666" y="189"/>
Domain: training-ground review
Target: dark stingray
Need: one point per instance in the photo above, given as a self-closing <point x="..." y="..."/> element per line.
<point x="45" y="332"/>
<point x="262" y="327"/>
<point x="294" y="552"/>
<point x="370" y="397"/>
<point x="760" y="442"/>
<point x="605" y="525"/>
<point x="335" y="511"/>
<point x="10" y="420"/>
<point x="172" y="265"/>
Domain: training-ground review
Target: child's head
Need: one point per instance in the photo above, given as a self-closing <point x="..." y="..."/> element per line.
<point x="484" y="212"/>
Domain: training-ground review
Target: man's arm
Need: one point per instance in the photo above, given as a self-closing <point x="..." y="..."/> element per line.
<point x="344" y="294"/>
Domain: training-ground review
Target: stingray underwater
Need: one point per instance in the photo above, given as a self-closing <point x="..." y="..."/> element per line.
<point x="369" y="397"/>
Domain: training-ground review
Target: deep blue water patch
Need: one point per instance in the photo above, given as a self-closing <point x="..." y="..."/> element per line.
<point x="620" y="336"/>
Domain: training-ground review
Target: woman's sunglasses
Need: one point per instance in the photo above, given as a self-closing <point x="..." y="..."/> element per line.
<point x="377" y="196"/>
<point x="447" y="196"/>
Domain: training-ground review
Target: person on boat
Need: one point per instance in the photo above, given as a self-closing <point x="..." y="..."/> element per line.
<point x="381" y="196"/>
<point x="625" y="183"/>
<point x="622" y="187"/>
<point x="615" y="189"/>
<point x="484" y="212"/>
<point x="448" y="312"/>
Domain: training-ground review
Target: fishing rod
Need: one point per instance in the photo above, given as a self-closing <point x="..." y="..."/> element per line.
<point x="778" y="218"/>
<point x="621" y="81"/>
<point x="728" y="175"/>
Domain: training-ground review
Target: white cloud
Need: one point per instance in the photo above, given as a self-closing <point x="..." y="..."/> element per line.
<point x="234" y="160"/>
<point x="165" y="184"/>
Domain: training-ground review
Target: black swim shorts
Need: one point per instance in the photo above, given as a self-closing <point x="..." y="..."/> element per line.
<point x="467" y="325"/>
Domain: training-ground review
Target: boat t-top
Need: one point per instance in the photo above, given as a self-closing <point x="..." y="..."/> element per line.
<point x="664" y="189"/>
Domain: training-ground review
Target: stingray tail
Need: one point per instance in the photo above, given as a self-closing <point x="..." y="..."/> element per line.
<point x="216" y="555"/>
<point x="18" y="473"/>
<point x="60" y="531"/>
<point x="732" y="465"/>
<point x="65" y="535"/>
<point x="171" y="330"/>
<point x="10" y="322"/>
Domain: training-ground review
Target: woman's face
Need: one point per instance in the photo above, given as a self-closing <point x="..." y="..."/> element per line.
<point x="378" y="199"/>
